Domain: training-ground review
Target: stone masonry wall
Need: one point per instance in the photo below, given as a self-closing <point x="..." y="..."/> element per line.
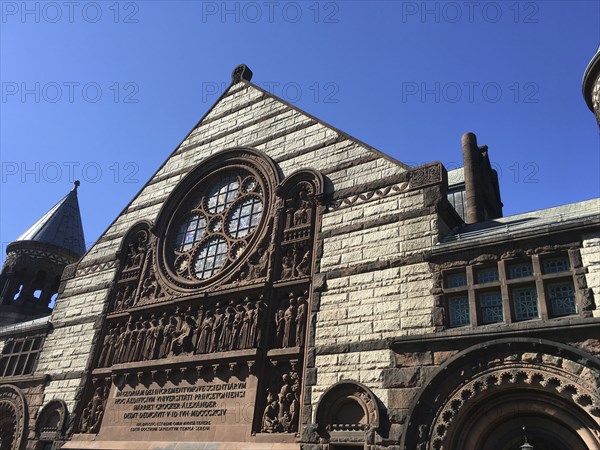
<point x="378" y="286"/>
<point x="590" y="255"/>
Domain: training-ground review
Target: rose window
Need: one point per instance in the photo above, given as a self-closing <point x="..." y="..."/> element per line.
<point x="214" y="228"/>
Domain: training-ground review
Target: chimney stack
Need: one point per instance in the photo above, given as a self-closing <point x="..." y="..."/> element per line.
<point x="481" y="182"/>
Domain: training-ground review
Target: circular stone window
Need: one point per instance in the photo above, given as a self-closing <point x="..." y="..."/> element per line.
<point x="214" y="226"/>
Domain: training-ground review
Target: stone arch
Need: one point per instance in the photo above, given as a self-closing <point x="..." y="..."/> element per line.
<point x="13" y="417"/>
<point x="500" y="374"/>
<point x="348" y="412"/>
<point x="52" y="420"/>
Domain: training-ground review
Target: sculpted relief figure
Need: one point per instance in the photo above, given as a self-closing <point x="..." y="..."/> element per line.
<point x="282" y="412"/>
<point x="302" y="213"/>
<point x="180" y="333"/>
<point x="204" y="340"/>
<point x="289" y="317"/>
<point x="92" y="413"/>
<point x="257" y="266"/>
<point x="301" y="320"/>
<point x="182" y="343"/>
<point x="303" y="267"/>
<point x="290" y="322"/>
<point x="288" y="264"/>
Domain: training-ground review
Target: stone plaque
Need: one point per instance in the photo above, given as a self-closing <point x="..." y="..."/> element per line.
<point x="198" y="409"/>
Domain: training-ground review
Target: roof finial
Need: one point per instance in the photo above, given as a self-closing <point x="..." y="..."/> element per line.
<point x="76" y="184"/>
<point x="241" y="72"/>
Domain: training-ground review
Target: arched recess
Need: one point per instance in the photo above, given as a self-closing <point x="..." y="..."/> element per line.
<point x="52" y="421"/>
<point x="348" y="412"/>
<point x="496" y="388"/>
<point x="13" y="418"/>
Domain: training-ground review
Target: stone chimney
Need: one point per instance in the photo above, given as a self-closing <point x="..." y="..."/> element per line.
<point x="482" y="191"/>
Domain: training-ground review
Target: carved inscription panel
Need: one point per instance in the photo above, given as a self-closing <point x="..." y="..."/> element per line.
<point x="186" y="410"/>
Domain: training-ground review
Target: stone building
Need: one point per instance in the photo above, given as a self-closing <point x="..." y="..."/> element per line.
<point x="278" y="284"/>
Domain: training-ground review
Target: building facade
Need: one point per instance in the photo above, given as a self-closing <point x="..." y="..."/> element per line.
<point x="278" y="284"/>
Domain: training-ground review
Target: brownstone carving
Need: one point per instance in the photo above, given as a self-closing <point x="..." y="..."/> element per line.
<point x="169" y="303"/>
<point x="282" y="405"/>
<point x="13" y="416"/>
<point x="52" y="421"/>
<point x="426" y="175"/>
<point x="449" y="399"/>
<point x="290" y="322"/>
<point x="352" y="200"/>
<point x="237" y="326"/>
<point x="91" y="418"/>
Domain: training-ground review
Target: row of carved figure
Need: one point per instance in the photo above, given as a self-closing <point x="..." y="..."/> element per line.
<point x="290" y="322"/>
<point x="217" y="329"/>
<point x="283" y="406"/>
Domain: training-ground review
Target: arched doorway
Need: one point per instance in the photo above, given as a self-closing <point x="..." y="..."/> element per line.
<point x="483" y="397"/>
<point x="497" y="422"/>
<point x="8" y="426"/>
<point x="13" y="418"/>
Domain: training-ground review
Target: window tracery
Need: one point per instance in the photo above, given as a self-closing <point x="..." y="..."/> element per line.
<point x="214" y="227"/>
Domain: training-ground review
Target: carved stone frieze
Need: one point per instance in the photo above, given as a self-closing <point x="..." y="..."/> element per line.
<point x="282" y="404"/>
<point x="93" y="412"/>
<point x="222" y="327"/>
<point x="377" y="194"/>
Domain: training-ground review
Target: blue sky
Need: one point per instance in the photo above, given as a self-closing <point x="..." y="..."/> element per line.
<point x="104" y="91"/>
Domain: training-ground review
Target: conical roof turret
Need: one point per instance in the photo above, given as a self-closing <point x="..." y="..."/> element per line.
<point x="60" y="227"/>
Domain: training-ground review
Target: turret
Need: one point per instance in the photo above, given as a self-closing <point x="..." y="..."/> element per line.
<point x="35" y="261"/>
<point x="591" y="85"/>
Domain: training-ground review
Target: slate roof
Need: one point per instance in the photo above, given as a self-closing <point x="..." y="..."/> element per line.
<point x="565" y="216"/>
<point x="61" y="226"/>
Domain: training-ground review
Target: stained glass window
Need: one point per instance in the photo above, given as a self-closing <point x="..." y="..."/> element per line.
<point x="490" y="304"/>
<point x="456" y="280"/>
<point x="520" y="270"/>
<point x="459" y="311"/>
<point x="487" y="275"/>
<point x="245" y="217"/>
<point x="210" y="258"/>
<point x="216" y="224"/>
<point x="526" y="303"/>
<point x="556" y="265"/>
<point x="190" y="231"/>
<point x="562" y="299"/>
<point x="222" y="194"/>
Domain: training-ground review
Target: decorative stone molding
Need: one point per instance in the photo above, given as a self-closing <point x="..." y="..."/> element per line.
<point x="13" y="414"/>
<point x="52" y="421"/>
<point x="369" y="196"/>
<point x="557" y="371"/>
<point x="346" y="399"/>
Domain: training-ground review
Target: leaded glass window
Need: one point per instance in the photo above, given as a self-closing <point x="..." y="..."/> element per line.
<point x="520" y="270"/>
<point x="19" y="356"/>
<point x="556" y="265"/>
<point x="459" y="311"/>
<point x="562" y="299"/>
<point x="456" y="279"/>
<point x="487" y="275"/>
<point x="216" y="224"/>
<point x="526" y="303"/>
<point x="490" y="304"/>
